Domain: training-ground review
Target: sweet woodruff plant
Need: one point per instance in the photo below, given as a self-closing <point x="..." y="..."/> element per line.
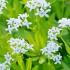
<point x="40" y="9"/>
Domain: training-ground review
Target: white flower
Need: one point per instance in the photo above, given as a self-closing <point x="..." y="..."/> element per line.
<point x="9" y="29"/>
<point x="31" y="4"/>
<point x="53" y="32"/>
<point x="26" y="23"/>
<point x="3" y="66"/>
<point x="29" y="46"/>
<point x="23" y="16"/>
<point x="51" y="47"/>
<point x="57" y="59"/>
<point x="15" y="23"/>
<point x="19" y="46"/>
<point x="41" y="6"/>
<point x="17" y="41"/>
<point x="41" y="12"/>
<point x="2" y="5"/>
<point x="8" y="58"/>
<point x="50" y="50"/>
<point x="23" y="50"/>
<point x="18" y="50"/>
<point x="44" y="50"/>
<point x="21" y="42"/>
<point x="64" y="22"/>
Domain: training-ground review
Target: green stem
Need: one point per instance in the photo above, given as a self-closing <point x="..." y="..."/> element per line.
<point x="29" y="64"/>
<point x="21" y="62"/>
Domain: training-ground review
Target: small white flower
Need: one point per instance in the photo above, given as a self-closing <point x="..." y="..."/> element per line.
<point x="31" y="4"/>
<point x="53" y="32"/>
<point x="22" y="42"/>
<point x="44" y="50"/>
<point x="26" y="23"/>
<point x="50" y="50"/>
<point x="64" y="22"/>
<point x="8" y="58"/>
<point x="2" y="5"/>
<point x="3" y="66"/>
<point x="15" y="23"/>
<point x="18" y="50"/>
<point x="17" y="41"/>
<point x="51" y="47"/>
<point x="9" y="29"/>
<point x="29" y="47"/>
<point x="41" y="6"/>
<point x="23" y="16"/>
<point x="19" y="46"/>
<point x="41" y="12"/>
<point x="12" y="41"/>
<point x="57" y="59"/>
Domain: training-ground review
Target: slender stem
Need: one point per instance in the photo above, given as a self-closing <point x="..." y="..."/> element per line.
<point x="29" y="64"/>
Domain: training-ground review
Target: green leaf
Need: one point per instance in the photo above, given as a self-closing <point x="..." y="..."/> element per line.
<point x="65" y="66"/>
<point x="65" y="36"/>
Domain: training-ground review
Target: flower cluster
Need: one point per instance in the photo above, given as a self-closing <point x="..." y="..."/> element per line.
<point x="19" y="46"/>
<point x="2" y="5"/>
<point x="52" y="48"/>
<point x="51" y="51"/>
<point x="15" y="23"/>
<point x="5" y="65"/>
<point x="41" y="7"/>
<point x="64" y="22"/>
<point x="8" y="58"/>
<point x="53" y="32"/>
